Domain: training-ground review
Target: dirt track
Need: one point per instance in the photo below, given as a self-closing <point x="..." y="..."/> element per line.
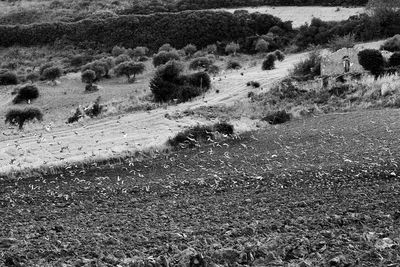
<point x="111" y="136"/>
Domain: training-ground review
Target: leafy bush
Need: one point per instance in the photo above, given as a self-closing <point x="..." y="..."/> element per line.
<point x="224" y="128"/>
<point x="163" y="57"/>
<point x="190" y="49"/>
<point x="100" y="67"/>
<point x="308" y="68"/>
<point x="44" y="67"/>
<point x="262" y="46"/>
<point x="92" y="110"/>
<point x="52" y="73"/>
<point x="211" y="49"/>
<point x="88" y="76"/>
<point x="166" y="48"/>
<point x="392" y="44"/>
<point x="200" y="62"/>
<point x="269" y="62"/>
<point x="232" y="48"/>
<point x="394" y="60"/>
<point x="139" y="51"/>
<point x="339" y="42"/>
<point x="32" y="77"/>
<point x="129" y="68"/>
<point x="279" y="55"/>
<point x="253" y="84"/>
<point x="26" y="93"/>
<point x="372" y="60"/>
<point x="117" y="51"/>
<point x="166" y="81"/>
<point x="213" y="69"/>
<point x="122" y="58"/>
<point x="277" y="117"/>
<point x="200" y="79"/>
<point x="79" y="60"/>
<point x="20" y="116"/>
<point x="8" y="78"/>
<point x="233" y="64"/>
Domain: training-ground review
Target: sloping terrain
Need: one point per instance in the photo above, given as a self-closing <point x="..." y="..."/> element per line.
<point x="112" y="136"/>
<point x="317" y="192"/>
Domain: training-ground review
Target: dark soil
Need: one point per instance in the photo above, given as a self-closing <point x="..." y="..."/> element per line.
<point x="320" y="192"/>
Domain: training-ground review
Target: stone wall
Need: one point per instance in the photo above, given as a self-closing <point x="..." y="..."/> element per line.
<point x="332" y="63"/>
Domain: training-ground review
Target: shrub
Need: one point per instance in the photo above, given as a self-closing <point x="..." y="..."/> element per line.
<point x="20" y="116"/>
<point x="164" y="85"/>
<point x="308" y="68"/>
<point x="139" y="51"/>
<point x="32" y="77"/>
<point x="213" y="69"/>
<point x="279" y="55"/>
<point x="339" y="42"/>
<point x="394" y="60"/>
<point x="211" y="49"/>
<point x="232" y="48"/>
<point x="277" y="117"/>
<point x="269" y="62"/>
<point x="372" y="60"/>
<point x="200" y="53"/>
<point x="200" y="79"/>
<point x="44" y="67"/>
<point x="392" y="44"/>
<point x="190" y="49"/>
<point x="52" y="73"/>
<point x="262" y="46"/>
<point x="117" y="51"/>
<point x="99" y="67"/>
<point x="129" y="68"/>
<point x="253" y="84"/>
<point x="79" y="60"/>
<point x="166" y="47"/>
<point x="163" y="57"/>
<point x="200" y="62"/>
<point x="26" y="93"/>
<point x="121" y="58"/>
<point x="233" y="64"/>
<point x="92" y="110"/>
<point x="88" y="76"/>
<point x="8" y="78"/>
<point x="224" y="128"/>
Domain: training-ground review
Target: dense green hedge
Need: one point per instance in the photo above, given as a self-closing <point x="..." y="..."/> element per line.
<point x="181" y="5"/>
<point x="200" y="28"/>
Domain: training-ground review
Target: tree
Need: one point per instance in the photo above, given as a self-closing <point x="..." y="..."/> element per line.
<point x="26" y="93"/>
<point x="139" y="51"/>
<point x="129" y="68"/>
<point x="211" y="49"/>
<point x="262" y="46"/>
<point x="190" y="49"/>
<point x="52" y="73"/>
<point x="20" y="116"/>
<point x="372" y="60"/>
<point x="163" y="57"/>
<point x="269" y="62"/>
<point x="232" y="48"/>
<point x="166" y="47"/>
<point x="116" y="51"/>
<point x="88" y="77"/>
<point x="122" y="58"/>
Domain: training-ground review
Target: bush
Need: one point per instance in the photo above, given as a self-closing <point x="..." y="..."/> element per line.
<point x="100" y="67"/>
<point x="92" y="110"/>
<point x="190" y="49"/>
<point x="20" y="116"/>
<point x="166" y="81"/>
<point x="26" y="93"/>
<point x="32" y="77"/>
<point x="372" y="60"/>
<point x="233" y="64"/>
<point x="277" y="117"/>
<point x="213" y="69"/>
<point x="139" y="51"/>
<point x="166" y="48"/>
<point x="52" y="73"/>
<point x="392" y="44"/>
<point x="200" y="79"/>
<point x="8" y="78"/>
<point x="394" y="60"/>
<point x="129" y="68"/>
<point x="211" y="49"/>
<point x="269" y="62"/>
<point x="279" y="55"/>
<point x="232" y="48"/>
<point x="117" y="51"/>
<point x="44" y="67"/>
<point x="200" y="62"/>
<point x="339" y="42"/>
<point x="253" y="84"/>
<point x="224" y="128"/>
<point x="262" y="46"/>
<point x="79" y="60"/>
<point x="308" y="68"/>
<point x="163" y="57"/>
<point x="88" y="76"/>
<point x="122" y="58"/>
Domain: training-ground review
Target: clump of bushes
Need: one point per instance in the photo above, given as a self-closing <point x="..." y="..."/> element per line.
<point x="18" y="116"/>
<point x="392" y="44"/>
<point x="52" y="74"/>
<point x="262" y="46"/>
<point x="277" y="117"/>
<point x="372" y="60"/>
<point x="166" y="47"/>
<point x="233" y="65"/>
<point x="253" y="84"/>
<point x="279" y="55"/>
<point x="32" y="77"/>
<point x="232" y="48"/>
<point x="163" y="57"/>
<point x="199" y="79"/>
<point x="190" y="49"/>
<point x="213" y="69"/>
<point x="138" y="52"/>
<point x="117" y="51"/>
<point x="26" y="93"/>
<point x="92" y="110"/>
<point x="8" y="78"/>
<point x="101" y="67"/>
<point x="88" y="77"/>
<point x="129" y="68"/>
<point x="309" y="68"/>
<point x="200" y="62"/>
<point x="269" y="62"/>
<point x="122" y="58"/>
<point x="193" y="136"/>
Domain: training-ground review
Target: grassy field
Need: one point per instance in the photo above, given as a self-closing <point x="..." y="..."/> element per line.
<point x="322" y="191"/>
<point x="302" y="15"/>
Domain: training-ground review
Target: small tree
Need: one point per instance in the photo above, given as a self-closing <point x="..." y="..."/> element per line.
<point x="232" y="48"/>
<point x="130" y="68"/>
<point x="211" y="49"/>
<point x="163" y="57"/>
<point x="99" y="67"/>
<point x="88" y="77"/>
<point x="116" y="51"/>
<point x="269" y="62"/>
<point x="262" y="46"/>
<point x="166" y="47"/>
<point x="20" y="116"/>
<point x="279" y="55"/>
<point x="52" y="74"/>
<point x="190" y="49"/>
<point x="26" y="93"/>
<point x="139" y="51"/>
<point x="372" y="60"/>
<point x="122" y="58"/>
<point x="44" y="67"/>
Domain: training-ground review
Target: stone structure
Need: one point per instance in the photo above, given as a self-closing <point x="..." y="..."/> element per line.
<point x="340" y="62"/>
